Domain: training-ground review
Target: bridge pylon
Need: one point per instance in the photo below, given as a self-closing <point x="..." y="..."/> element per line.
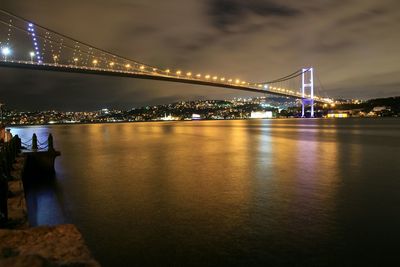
<point x="307" y="91"/>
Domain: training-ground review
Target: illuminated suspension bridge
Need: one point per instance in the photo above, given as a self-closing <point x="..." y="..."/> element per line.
<point x="25" y="44"/>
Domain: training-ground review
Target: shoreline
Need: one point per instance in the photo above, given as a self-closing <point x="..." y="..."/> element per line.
<point x="24" y="245"/>
<point x="183" y="121"/>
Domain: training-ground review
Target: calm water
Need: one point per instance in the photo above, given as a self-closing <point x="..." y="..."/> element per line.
<point x="224" y="193"/>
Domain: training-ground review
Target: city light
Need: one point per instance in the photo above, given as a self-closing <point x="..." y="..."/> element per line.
<point x="95" y="62"/>
<point x="178" y="72"/>
<point x="208" y="76"/>
<point x="189" y="74"/>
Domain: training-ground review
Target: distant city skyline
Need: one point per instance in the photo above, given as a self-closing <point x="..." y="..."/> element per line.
<point x="352" y="45"/>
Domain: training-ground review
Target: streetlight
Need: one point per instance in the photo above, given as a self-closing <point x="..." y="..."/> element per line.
<point x="76" y="61"/>
<point x="55" y="57"/>
<point x="95" y="62"/>
<point x="5" y="51"/>
<point x="32" y="54"/>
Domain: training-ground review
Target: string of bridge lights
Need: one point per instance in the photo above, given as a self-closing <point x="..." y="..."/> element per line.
<point x="101" y="60"/>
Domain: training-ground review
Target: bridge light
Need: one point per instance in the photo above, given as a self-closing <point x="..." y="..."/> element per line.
<point x="259" y="86"/>
<point x="266" y="86"/>
<point x="6" y="52"/>
<point x="208" y="76"/>
<point x="189" y="74"/>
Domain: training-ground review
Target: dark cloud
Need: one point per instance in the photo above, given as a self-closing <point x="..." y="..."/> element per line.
<point x="227" y="13"/>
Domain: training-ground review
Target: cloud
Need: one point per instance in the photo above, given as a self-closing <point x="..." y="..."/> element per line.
<point x="351" y="44"/>
<point x="226" y="14"/>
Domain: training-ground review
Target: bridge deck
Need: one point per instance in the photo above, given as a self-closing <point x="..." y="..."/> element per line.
<point x="143" y="75"/>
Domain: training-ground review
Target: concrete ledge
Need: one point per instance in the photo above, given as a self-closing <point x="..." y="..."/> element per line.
<point x="61" y="245"/>
<point x="40" y="163"/>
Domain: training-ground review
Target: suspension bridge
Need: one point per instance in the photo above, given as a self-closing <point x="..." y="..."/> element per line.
<point x="25" y="44"/>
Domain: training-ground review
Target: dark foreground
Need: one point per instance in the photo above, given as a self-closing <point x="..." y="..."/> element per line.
<point x="224" y="193"/>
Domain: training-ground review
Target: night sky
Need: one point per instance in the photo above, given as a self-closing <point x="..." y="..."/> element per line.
<point x="353" y="44"/>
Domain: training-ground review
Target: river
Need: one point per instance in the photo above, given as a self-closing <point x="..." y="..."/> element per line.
<point x="306" y="192"/>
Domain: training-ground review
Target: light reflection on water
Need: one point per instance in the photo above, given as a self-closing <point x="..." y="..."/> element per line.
<point x="208" y="193"/>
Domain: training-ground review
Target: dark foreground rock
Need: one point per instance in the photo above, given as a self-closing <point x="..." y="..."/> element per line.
<point x="61" y="245"/>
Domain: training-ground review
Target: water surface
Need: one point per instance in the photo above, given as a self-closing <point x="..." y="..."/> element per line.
<point x="224" y="193"/>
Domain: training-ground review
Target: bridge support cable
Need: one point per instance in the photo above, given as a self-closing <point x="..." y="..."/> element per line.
<point x="36" y="47"/>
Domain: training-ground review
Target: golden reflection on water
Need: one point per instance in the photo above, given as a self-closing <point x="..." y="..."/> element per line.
<point x="176" y="191"/>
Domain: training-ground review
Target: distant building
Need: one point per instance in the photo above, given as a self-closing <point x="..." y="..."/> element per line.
<point x="196" y="117"/>
<point x="169" y="118"/>
<point x="261" y="115"/>
<point x="338" y="115"/>
<point x="380" y="109"/>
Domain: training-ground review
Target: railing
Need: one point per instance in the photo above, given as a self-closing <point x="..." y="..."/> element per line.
<point x="35" y="145"/>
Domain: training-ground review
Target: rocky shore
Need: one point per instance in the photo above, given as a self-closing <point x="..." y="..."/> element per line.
<point x="24" y="246"/>
<point x="62" y="245"/>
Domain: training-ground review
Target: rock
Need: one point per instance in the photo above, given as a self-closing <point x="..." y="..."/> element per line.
<point x="62" y="245"/>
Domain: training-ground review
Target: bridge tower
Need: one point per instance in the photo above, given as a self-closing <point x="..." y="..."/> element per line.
<point x="307" y="91"/>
